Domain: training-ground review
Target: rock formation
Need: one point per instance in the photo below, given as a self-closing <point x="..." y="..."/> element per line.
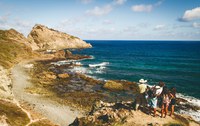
<point x="5" y="84"/>
<point x="42" y="38"/>
<point x="122" y="114"/>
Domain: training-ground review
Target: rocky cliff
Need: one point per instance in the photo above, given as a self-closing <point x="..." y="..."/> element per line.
<point x="42" y="37"/>
<point x="5" y="84"/>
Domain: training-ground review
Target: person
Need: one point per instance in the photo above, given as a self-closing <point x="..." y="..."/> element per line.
<point x="140" y="98"/>
<point x="153" y="99"/>
<point x="173" y="100"/>
<point x="166" y="98"/>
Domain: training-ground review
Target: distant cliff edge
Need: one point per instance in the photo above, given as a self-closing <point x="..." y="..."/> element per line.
<point x="42" y="37"/>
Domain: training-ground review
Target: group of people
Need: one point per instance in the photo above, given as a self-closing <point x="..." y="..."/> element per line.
<point x="153" y="96"/>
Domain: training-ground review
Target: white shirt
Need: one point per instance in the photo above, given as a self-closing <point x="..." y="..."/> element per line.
<point x="159" y="90"/>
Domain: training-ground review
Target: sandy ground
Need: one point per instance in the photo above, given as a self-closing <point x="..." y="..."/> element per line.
<point x="59" y="114"/>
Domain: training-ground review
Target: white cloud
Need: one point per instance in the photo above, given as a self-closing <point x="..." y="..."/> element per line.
<point x="159" y="27"/>
<point x="196" y="25"/>
<point x="7" y="22"/>
<point x="146" y="7"/>
<point x="108" y="22"/>
<point x="159" y="3"/>
<point x="142" y="8"/>
<point x="130" y="29"/>
<point x="100" y="11"/>
<point x="191" y="14"/>
<point x="119" y="2"/>
<point x="4" y="19"/>
<point x="86" y="1"/>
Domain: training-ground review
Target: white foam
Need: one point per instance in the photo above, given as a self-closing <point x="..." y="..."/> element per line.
<point x="63" y="62"/>
<point x="194" y="101"/>
<point x="190" y="99"/>
<point x="92" y="57"/>
<point x="79" y="70"/>
<point x="99" y="65"/>
<point x="77" y="63"/>
<point x="194" y="114"/>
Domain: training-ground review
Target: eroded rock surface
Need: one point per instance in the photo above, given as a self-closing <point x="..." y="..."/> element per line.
<point x="42" y="37"/>
<point x="5" y="84"/>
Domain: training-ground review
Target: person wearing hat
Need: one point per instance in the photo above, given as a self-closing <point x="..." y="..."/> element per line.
<point x="140" y="98"/>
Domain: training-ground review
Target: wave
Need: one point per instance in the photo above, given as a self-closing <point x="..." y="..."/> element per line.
<point x="190" y="99"/>
<point x="92" y="57"/>
<point x="192" y="113"/>
<point x="193" y="101"/>
<point x="99" y="65"/>
<point x="63" y="62"/>
<point x="82" y="70"/>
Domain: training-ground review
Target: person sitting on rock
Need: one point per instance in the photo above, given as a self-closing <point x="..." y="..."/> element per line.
<point x="153" y="99"/>
<point x="140" y="98"/>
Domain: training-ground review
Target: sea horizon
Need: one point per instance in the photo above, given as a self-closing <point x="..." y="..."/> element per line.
<point x="141" y="40"/>
<point x="178" y="57"/>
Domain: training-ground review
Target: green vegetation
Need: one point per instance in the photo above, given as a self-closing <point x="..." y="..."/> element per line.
<point x="173" y="124"/>
<point x="73" y="37"/>
<point x="15" y="116"/>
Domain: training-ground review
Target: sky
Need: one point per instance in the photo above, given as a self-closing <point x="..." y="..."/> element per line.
<point x="106" y="19"/>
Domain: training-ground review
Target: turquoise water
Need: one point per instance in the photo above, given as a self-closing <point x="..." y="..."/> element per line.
<point x="177" y="63"/>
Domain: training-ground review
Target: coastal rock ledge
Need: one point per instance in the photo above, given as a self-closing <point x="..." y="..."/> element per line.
<point x="42" y="38"/>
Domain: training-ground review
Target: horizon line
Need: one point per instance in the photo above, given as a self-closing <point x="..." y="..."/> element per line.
<point x="135" y="40"/>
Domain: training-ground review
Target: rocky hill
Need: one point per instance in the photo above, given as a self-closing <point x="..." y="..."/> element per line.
<point x="14" y="46"/>
<point x="42" y="38"/>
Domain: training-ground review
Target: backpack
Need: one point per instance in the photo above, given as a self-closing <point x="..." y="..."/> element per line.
<point x="152" y="92"/>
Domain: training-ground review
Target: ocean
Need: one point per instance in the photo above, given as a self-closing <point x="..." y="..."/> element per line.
<point x="176" y="63"/>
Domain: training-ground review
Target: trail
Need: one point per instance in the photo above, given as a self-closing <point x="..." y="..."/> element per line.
<point x="59" y="114"/>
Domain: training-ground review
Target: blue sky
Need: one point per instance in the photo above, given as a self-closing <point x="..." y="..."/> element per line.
<point x="107" y="19"/>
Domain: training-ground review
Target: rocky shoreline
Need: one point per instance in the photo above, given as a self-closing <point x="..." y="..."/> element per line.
<point x="83" y="92"/>
<point x="38" y="87"/>
<point x="80" y="91"/>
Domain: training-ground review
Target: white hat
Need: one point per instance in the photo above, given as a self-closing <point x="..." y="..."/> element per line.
<point x="142" y="81"/>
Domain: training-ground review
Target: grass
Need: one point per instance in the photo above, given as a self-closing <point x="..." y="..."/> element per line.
<point x="173" y="124"/>
<point x="73" y="37"/>
<point x="11" y="50"/>
<point x="15" y="116"/>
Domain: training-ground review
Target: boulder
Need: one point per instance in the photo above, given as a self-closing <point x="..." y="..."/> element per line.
<point x="46" y="38"/>
<point x="60" y="54"/>
<point x="63" y="76"/>
<point x="68" y="53"/>
<point x="48" y="76"/>
<point x="112" y="85"/>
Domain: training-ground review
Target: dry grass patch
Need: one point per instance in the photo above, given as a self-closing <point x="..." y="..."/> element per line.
<point x="15" y="116"/>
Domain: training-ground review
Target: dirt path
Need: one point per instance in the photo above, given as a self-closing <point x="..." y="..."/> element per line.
<point x="57" y="113"/>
